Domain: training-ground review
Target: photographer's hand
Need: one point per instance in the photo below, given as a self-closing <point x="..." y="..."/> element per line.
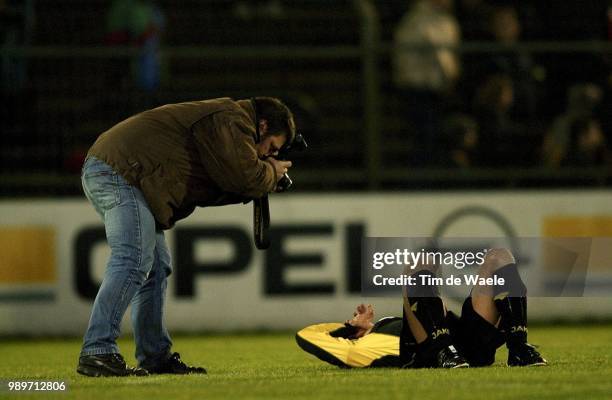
<point x="280" y="167"/>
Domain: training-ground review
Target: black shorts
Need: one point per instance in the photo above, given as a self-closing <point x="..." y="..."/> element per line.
<point x="474" y="337"/>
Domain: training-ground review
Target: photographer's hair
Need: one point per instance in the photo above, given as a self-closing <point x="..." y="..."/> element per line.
<point x="277" y="114"/>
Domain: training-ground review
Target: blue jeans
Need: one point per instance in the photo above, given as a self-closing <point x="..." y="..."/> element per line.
<point x="136" y="271"/>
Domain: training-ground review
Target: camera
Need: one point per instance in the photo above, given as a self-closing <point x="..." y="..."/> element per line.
<point x="299" y="144"/>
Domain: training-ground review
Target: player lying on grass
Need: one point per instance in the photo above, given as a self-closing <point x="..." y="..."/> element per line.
<point x="429" y="336"/>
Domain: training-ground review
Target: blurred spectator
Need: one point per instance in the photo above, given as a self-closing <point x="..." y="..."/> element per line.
<point x="138" y="23"/>
<point x="520" y="67"/>
<point x="587" y="145"/>
<point x="460" y="142"/>
<point x="500" y="134"/>
<point x="582" y="102"/>
<point x="426" y="76"/>
<point x="504" y="27"/>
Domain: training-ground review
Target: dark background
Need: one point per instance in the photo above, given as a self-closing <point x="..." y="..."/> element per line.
<point x="67" y="76"/>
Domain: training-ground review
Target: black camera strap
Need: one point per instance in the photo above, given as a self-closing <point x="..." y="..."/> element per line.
<point x="261" y="222"/>
<point x="261" y="206"/>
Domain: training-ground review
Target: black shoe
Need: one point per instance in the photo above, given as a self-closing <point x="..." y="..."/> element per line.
<point x="525" y="355"/>
<point x="448" y="357"/>
<point x="107" y="365"/>
<point x="174" y="365"/>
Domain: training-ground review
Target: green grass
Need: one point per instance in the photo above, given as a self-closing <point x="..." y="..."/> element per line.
<point x="266" y="366"/>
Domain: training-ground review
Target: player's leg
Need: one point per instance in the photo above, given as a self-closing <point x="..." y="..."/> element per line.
<point x="505" y="306"/>
<point x="482" y="295"/>
<point x="130" y="232"/>
<point x="424" y="313"/>
<point x="375" y="350"/>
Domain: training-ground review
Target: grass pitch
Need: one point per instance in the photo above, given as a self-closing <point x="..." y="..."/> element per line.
<point x="271" y="366"/>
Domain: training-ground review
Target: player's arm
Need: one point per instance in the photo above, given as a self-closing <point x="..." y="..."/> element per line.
<point x="346" y="331"/>
<point x="318" y="341"/>
<point x="334" y="342"/>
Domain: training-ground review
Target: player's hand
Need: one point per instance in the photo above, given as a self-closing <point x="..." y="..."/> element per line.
<point x="362" y="319"/>
<point x="280" y="167"/>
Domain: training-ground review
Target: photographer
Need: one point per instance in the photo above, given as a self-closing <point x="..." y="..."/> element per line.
<point x="148" y="172"/>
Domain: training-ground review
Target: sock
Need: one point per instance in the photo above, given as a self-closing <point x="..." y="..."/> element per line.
<point x="407" y="345"/>
<point x="511" y="302"/>
<point x="428" y="308"/>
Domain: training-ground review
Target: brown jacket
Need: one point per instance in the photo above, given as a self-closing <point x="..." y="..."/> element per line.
<point x="200" y="153"/>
